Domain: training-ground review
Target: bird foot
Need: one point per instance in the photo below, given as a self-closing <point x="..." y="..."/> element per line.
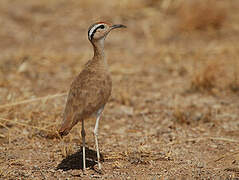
<point x="99" y="170"/>
<point x="85" y="171"/>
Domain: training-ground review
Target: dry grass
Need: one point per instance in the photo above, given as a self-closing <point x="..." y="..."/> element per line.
<point x="174" y="105"/>
<point x="215" y="75"/>
<point x="207" y="76"/>
<point x="202" y="15"/>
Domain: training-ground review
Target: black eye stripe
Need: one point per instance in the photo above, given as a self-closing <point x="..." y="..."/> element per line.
<point x="100" y="27"/>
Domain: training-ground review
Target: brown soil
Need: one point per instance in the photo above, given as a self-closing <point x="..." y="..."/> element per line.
<point x="173" y="113"/>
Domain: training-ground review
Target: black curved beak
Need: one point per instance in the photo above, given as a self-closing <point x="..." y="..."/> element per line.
<point x="118" y="26"/>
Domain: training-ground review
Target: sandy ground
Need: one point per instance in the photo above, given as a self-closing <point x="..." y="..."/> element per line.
<point x="173" y="113"/>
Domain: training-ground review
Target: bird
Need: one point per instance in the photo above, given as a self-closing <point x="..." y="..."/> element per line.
<point x="90" y="90"/>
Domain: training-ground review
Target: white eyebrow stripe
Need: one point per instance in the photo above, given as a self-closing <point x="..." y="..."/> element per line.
<point x="93" y="28"/>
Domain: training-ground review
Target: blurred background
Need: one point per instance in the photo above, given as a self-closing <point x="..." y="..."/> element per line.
<point x="174" y="106"/>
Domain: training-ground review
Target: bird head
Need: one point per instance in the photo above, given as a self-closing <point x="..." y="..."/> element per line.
<point x="100" y="30"/>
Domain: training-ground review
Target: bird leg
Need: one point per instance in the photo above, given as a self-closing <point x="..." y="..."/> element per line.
<point x="83" y="141"/>
<point x="96" y="135"/>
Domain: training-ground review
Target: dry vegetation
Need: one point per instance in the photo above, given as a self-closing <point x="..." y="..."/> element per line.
<point x="174" y="108"/>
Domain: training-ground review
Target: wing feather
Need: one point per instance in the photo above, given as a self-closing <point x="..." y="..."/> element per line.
<point x="88" y="93"/>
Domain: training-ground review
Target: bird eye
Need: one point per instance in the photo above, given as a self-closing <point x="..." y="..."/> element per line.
<point x="102" y="27"/>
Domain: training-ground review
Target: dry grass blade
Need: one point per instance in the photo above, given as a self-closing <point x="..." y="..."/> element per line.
<point x="1" y="124"/>
<point x="32" y="100"/>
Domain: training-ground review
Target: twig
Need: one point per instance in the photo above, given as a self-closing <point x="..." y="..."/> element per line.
<point x="224" y="156"/>
<point x="214" y="138"/>
<point x="32" y="100"/>
<point x="9" y="135"/>
<point x="3" y="125"/>
<point x="22" y="124"/>
<point x="8" y="130"/>
<point x="223" y="139"/>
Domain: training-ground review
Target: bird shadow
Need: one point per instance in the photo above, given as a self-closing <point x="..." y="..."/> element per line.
<point x="75" y="161"/>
